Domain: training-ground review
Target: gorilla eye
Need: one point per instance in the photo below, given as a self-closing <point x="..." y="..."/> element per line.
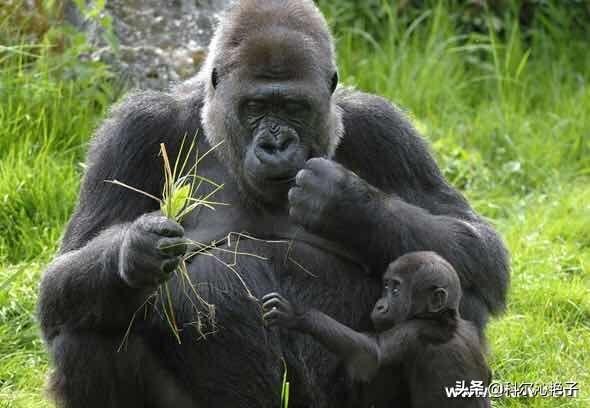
<point x="295" y="107"/>
<point x="254" y="104"/>
<point x="394" y="287"/>
<point x="214" y="78"/>
<point x="334" y="82"/>
<point x="254" y="107"/>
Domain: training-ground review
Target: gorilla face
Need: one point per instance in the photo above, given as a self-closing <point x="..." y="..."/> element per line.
<point x="282" y="122"/>
<point x="269" y="101"/>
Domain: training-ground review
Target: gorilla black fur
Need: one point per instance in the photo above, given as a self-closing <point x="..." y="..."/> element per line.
<point x="336" y="181"/>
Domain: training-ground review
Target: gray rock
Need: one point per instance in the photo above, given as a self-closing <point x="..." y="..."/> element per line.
<point x="160" y="41"/>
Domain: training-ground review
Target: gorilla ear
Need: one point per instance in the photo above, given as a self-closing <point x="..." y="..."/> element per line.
<point x="438" y="300"/>
<point x="214" y="78"/>
<point x="334" y="83"/>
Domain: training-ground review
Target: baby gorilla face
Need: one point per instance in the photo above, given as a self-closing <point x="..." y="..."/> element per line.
<point x="418" y="284"/>
<point x="392" y="308"/>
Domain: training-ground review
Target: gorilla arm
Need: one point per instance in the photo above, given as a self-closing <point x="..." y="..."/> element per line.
<point x="388" y="198"/>
<point x="83" y="287"/>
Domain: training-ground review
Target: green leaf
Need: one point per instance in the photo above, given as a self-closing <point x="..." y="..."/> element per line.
<point x="178" y="201"/>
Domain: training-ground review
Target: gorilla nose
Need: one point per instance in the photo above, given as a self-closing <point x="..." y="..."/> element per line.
<point x="276" y="147"/>
<point x="381" y="307"/>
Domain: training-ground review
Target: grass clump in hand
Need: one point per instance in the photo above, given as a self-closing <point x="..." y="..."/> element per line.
<point x="180" y="196"/>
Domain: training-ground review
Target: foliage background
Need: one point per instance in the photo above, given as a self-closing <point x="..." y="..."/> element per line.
<point x="499" y="88"/>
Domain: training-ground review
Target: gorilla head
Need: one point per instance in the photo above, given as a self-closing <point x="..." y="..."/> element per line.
<point x="416" y="285"/>
<point x="269" y="80"/>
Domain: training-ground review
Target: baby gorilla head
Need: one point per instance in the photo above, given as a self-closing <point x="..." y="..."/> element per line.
<point x="416" y="285"/>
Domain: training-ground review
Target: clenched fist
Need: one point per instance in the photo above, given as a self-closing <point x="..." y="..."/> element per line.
<point x="328" y="198"/>
<point x="152" y="248"/>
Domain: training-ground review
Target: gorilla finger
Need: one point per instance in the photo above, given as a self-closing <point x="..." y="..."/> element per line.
<point x="318" y="164"/>
<point x="294" y="214"/>
<point x="270" y="296"/>
<point x="147" y="220"/>
<point x="299" y="216"/>
<point x="303" y="177"/>
<point x="275" y="295"/>
<point x="169" y="265"/>
<point x="270" y="321"/>
<point x="271" y="303"/>
<point x="295" y="195"/>
<point x="166" y="227"/>
<point x="273" y="314"/>
<point x="172" y="246"/>
<point x="299" y="198"/>
<point x="266" y="307"/>
<point x="160" y="278"/>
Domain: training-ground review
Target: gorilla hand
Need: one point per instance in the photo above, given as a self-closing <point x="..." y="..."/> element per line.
<point x="152" y="248"/>
<point x="330" y="199"/>
<point x="280" y="312"/>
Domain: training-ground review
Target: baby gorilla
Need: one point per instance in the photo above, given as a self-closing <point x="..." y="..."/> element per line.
<point x="419" y="334"/>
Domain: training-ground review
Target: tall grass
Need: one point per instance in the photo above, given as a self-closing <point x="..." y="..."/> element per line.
<point x="46" y="120"/>
<point x="525" y="98"/>
<point x="508" y="117"/>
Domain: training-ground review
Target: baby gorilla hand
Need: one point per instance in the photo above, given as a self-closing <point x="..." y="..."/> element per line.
<point x="280" y="312"/>
<point x="152" y="248"/>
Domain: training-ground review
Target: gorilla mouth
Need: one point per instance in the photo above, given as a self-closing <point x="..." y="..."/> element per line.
<point x="282" y="178"/>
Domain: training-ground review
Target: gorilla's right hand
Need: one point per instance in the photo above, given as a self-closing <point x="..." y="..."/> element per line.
<point x="278" y="311"/>
<point x="152" y="248"/>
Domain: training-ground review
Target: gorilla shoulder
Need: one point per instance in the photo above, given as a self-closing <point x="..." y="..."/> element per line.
<point x="377" y="132"/>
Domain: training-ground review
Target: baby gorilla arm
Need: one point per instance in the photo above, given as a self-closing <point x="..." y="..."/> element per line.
<point x="399" y="343"/>
<point x="363" y="353"/>
<point x="360" y="351"/>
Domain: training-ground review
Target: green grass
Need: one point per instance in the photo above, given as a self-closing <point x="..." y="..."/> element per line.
<point x="509" y="121"/>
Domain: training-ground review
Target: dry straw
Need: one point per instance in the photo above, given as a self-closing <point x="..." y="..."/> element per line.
<point x="180" y="196"/>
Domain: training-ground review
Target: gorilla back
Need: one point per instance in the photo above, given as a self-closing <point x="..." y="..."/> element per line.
<point x="328" y="184"/>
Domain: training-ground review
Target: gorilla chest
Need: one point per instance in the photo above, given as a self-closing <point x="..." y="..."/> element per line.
<point x="260" y="265"/>
<point x="237" y="261"/>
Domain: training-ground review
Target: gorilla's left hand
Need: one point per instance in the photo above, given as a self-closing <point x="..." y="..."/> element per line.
<point x="329" y="199"/>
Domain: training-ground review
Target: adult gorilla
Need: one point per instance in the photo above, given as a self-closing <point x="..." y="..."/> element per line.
<point x="366" y="191"/>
